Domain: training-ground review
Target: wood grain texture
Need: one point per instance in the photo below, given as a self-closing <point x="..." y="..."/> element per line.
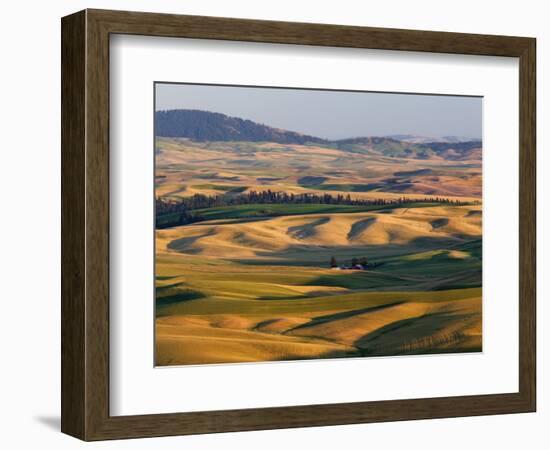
<point x="201" y="27"/>
<point x="73" y="108"/>
<point x="527" y="224"/>
<point x="85" y="224"/>
<point x="97" y="225"/>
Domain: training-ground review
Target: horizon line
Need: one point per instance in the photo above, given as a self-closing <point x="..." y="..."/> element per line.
<point x="391" y="136"/>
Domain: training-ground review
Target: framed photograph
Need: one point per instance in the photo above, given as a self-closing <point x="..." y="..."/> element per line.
<point x="273" y="225"/>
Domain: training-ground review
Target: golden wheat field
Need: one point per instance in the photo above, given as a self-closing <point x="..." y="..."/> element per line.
<point x="286" y="280"/>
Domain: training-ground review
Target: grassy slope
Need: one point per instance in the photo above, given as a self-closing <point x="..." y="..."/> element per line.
<point x="228" y="313"/>
<point x="252" y="283"/>
<point x="211" y="167"/>
<point x="276" y="210"/>
<point x="273" y="210"/>
<point x="215" y="309"/>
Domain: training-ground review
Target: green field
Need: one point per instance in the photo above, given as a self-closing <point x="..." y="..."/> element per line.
<point x="274" y="210"/>
<point x="220" y="306"/>
<point x="244" y="211"/>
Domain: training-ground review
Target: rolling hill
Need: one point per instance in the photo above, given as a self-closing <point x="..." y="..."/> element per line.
<point x="232" y="291"/>
<point x="206" y="126"/>
<point x="258" y="228"/>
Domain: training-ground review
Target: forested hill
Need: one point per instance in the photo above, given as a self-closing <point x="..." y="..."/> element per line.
<point x="209" y="126"/>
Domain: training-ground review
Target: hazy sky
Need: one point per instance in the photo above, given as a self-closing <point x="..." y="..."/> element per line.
<point x="332" y="114"/>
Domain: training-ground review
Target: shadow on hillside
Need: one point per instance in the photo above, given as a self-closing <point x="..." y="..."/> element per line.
<point x="319" y="256"/>
<point x="415" y="335"/>
<point x="342" y="315"/>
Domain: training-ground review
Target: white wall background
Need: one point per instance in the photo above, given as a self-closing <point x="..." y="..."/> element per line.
<point x="30" y="221"/>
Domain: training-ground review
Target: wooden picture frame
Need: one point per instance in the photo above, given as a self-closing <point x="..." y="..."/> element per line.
<point x="85" y="224"/>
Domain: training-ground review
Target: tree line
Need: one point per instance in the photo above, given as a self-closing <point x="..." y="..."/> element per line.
<point x="202" y="201"/>
<point x="181" y="209"/>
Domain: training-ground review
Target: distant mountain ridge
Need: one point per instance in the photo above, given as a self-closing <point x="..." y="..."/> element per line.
<point x="210" y="126"/>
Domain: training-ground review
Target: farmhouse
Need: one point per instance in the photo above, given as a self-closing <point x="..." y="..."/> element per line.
<point x="356" y="264"/>
<point x="355" y="267"/>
